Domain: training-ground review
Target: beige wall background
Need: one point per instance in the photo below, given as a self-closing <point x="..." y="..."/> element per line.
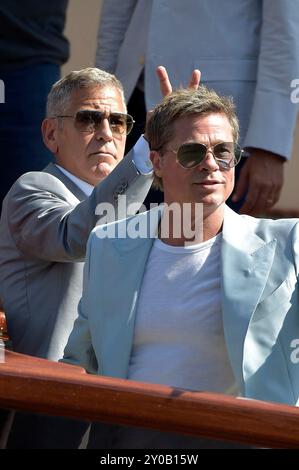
<point x="81" y="29"/>
<point x="82" y="22"/>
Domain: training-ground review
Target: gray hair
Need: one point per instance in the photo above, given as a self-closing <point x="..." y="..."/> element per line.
<point x="185" y="102"/>
<point x="60" y="96"/>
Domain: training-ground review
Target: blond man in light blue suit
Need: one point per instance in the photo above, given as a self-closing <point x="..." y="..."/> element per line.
<point x="231" y="326"/>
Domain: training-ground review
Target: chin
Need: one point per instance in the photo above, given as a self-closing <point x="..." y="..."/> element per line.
<point x="212" y="201"/>
<point x="96" y="178"/>
<point x="102" y="171"/>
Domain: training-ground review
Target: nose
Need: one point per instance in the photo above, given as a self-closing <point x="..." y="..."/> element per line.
<point x="209" y="163"/>
<point x="103" y="131"/>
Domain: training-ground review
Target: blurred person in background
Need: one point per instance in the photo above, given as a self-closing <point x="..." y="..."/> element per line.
<point x="247" y="49"/>
<point x="32" y="50"/>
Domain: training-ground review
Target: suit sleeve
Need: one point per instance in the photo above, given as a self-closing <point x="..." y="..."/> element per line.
<point x="79" y="350"/>
<point x="115" y="19"/>
<point x="273" y="116"/>
<point x="46" y="221"/>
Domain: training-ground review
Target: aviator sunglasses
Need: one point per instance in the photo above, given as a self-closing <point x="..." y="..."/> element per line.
<point x="89" y="121"/>
<point x="226" y="154"/>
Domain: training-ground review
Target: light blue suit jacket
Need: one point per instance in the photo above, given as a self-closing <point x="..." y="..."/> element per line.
<point x="248" y="49"/>
<point x="260" y="305"/>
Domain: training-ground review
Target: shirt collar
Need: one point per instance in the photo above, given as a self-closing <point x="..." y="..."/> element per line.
<point x="85" y="187"/>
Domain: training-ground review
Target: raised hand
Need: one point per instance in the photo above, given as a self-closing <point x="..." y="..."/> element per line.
<point x="165" y="84"/>
<point x="261" y="179"/>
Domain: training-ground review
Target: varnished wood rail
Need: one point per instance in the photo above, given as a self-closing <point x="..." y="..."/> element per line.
<point x="3" y="326"/>
<point x="33" y="384"/>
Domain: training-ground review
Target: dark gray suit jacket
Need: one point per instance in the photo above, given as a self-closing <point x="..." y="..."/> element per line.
<point x="45" y="223"/>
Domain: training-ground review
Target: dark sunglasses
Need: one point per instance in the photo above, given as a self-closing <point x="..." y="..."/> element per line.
<point x="89" y="120"/>
<point x="226" y="154"/>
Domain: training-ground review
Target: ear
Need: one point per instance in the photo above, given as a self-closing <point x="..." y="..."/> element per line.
<point x="49" y="130"/>
<point x="157" y="162"/>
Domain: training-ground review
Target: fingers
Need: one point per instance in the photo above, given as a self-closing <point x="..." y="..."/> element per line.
<point x="246" y="185"/>
<point x="260" y="205"/>
<point x="241" y="185"/>
<point x="261" y="178"/>
<point x="195" y="79"/>
<point x="260" y="197"/>
<point x="164" y="82"/>
<point x="251" y="205"/>
<point x="165" y="85"/>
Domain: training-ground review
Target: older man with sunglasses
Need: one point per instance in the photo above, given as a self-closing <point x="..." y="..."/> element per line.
<point x="214" y="308"/>
<point x="47" y="216"/>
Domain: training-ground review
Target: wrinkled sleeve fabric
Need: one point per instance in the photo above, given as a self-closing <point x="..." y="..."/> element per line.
<point x="115" y="18"/>
<point x="46" y="221"/>
<point x="273" y="117"/>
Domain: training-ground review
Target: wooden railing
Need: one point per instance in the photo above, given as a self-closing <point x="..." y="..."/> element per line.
<point x="33" y="384"/>
<point x="3" y="327"/>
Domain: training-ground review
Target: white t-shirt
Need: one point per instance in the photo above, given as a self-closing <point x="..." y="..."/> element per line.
<point x="179" y="338"/>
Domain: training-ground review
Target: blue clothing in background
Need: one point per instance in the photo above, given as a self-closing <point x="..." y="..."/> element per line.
<point x="21" y="145"/>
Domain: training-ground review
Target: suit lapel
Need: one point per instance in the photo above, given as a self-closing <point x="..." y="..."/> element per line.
<point x="127" y="258"/>
<point x="246" y="261"/>
<point x="53" y="170"/>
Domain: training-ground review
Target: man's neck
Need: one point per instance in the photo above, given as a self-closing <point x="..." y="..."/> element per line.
<point x="197" y="226"/>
